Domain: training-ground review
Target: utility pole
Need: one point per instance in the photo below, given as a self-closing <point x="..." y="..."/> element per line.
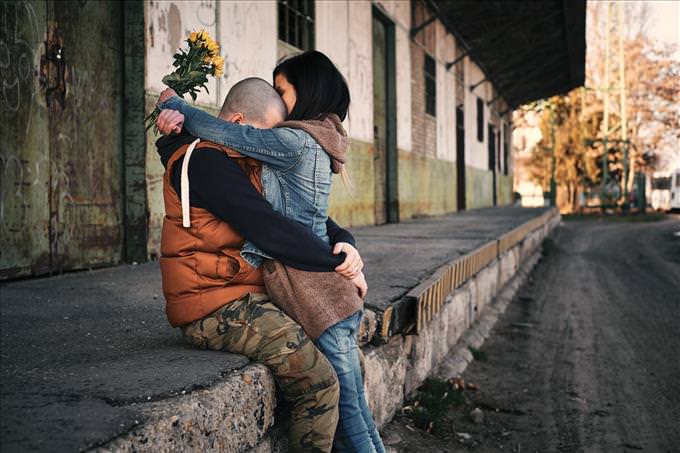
<point x="605" y="156"/>
<point x="624" y="114"/>
<point x="553" y="163"/>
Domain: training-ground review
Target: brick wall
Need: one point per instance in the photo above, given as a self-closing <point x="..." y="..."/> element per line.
<point x="424" y="126"/>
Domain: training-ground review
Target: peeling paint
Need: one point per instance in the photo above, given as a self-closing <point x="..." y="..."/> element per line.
<point x="174" y="27"/>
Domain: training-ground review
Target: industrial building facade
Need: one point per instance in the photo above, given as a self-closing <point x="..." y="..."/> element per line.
<point x="430" y="120"/>
<point x="404" y="159"/>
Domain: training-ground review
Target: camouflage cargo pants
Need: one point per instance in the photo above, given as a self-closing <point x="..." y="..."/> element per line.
<point x="255" y="327"/>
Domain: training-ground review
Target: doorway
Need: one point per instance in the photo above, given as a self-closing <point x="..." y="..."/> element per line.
<point x="460" y="157"/>
<point x="492" y="161"/>
<point x="384" y="119"/>
<point x="64" y="159"/>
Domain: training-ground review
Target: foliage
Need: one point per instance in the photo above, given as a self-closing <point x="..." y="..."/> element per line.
<point x="652" y="88"/>
<point x="429" y="408"/>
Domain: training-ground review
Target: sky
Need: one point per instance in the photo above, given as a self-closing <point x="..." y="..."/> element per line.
<point x="664" y="21"/>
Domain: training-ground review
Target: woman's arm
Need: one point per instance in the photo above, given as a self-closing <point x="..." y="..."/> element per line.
<point x="219" y="185"/>
<point x="280" y="147"/>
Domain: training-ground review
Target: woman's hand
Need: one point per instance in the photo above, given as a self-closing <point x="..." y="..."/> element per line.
<point x="166" y="94"/>
<point x="170" y="122"/>
<point x="352" y="265"/>
<point x="360" y="282"/>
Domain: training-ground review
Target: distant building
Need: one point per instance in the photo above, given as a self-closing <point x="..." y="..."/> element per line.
<point x="524" y="138"/>
<point x="433" y="84"/>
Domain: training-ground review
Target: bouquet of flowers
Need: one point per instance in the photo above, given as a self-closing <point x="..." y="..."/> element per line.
<point x="193" y="68"/>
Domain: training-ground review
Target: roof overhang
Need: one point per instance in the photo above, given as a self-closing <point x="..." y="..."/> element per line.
<point x="528" y="50"/>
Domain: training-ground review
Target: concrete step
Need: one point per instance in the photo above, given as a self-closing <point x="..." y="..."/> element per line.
<point x="88" y="360"/>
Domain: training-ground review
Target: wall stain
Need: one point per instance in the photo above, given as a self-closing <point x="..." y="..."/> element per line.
<point x="174" y="27"/>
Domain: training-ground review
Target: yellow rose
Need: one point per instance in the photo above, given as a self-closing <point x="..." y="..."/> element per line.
<point x="193" y="36"/>
<point x="218" y="72"/>
<point x="213" y="47"/>
<point x="204" y="36"/>
<point x="218" y="62"/>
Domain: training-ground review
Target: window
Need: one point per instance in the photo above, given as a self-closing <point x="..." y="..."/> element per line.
<point x="296" y="23"/>
<point x="662" y="183"/>
<point x="492" y="148"/>
<point x="430" y="86"/>
<point x="480" y="120"/>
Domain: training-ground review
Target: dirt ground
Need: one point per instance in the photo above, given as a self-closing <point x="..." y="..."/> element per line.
<point x="585" y="359"/>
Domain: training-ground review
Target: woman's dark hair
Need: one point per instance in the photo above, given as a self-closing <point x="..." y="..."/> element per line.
<point x="320" y="87"/>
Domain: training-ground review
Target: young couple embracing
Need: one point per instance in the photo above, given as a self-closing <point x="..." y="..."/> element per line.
<point x="251" y="262"/>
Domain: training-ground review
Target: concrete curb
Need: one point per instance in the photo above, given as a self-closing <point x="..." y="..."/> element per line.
<point x="456" y="362"/>
<point x="237" y="415"/>
<point x="244" y="403"/>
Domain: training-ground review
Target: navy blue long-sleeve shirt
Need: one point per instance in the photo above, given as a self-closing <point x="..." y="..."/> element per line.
<point x="219" y="185"/>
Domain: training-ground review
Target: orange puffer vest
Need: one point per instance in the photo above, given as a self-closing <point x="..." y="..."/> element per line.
<point x="201" y="266"/>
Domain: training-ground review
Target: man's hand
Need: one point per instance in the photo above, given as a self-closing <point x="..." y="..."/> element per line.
<point x="360" y="282"/>
<point x="170" y="122"/>
<point x="166" y="94"/>
<point x="352" y="265"/>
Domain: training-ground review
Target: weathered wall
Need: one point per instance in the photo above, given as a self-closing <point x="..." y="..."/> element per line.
<point x="446" y="96"/>
<point x="476" y="154"/>
<point x="355" y="205"/>
<point x="478" y="188"/>
<point x="504" y="189"/>
<point x="427" y="186"/>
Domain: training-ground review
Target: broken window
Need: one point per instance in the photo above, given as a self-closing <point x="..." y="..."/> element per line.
<point x="296" y="23"/>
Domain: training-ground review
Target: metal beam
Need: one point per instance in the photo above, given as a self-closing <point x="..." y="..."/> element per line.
<point x="457" y="60"/>
<point x="415" y="30"/>
<point x="485" y="79"/>
<point x="494" y="99"/>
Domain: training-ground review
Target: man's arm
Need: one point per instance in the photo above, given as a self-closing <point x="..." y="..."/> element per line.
<point x="338" y="234"/>
<point x="219" y="185"/>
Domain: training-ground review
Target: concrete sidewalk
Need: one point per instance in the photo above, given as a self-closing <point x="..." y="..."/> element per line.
<point x="88" y="359"/>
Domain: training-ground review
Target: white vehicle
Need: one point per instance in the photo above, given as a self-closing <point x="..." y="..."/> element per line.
<point x="661" y="191"/>
<point x="675" y="190"/>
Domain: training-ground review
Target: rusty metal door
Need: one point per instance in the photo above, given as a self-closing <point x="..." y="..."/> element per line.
<point x="61" y="205"/>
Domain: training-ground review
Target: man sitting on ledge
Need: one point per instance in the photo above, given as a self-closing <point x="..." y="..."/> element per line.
<point x="213" y="200"/>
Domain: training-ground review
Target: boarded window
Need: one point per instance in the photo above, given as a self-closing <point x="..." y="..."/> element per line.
<point x="430" y="86"/>
<point x="296" y="23"/>
<point x="480" y="120"/>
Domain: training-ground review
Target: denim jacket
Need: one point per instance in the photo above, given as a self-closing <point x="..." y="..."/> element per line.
<point x="296" y="171"/>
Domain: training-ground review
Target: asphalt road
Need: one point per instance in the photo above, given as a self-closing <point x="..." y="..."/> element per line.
<point x="587" y="356"/>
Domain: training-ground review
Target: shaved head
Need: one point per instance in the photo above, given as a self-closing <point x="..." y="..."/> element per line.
<point x="257" y="101"/>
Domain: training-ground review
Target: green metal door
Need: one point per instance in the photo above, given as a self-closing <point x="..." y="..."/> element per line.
<point x="384" y="119"/>
<point x="61" y="161"/>
<point x="24" y="159"/>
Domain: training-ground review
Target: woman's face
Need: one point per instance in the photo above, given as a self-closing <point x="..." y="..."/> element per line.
<point x="286" y="90"/>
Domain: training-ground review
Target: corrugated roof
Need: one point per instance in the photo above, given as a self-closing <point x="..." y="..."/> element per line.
<point x="529" y="50"/>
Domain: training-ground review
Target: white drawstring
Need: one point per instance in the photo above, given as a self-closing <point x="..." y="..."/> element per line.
<point x="184" y="184"/>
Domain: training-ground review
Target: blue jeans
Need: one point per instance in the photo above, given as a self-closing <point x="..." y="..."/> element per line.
<point x="356" y="432"/>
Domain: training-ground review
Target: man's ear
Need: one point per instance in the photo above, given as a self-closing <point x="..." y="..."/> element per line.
<point x="237" y="118"/>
